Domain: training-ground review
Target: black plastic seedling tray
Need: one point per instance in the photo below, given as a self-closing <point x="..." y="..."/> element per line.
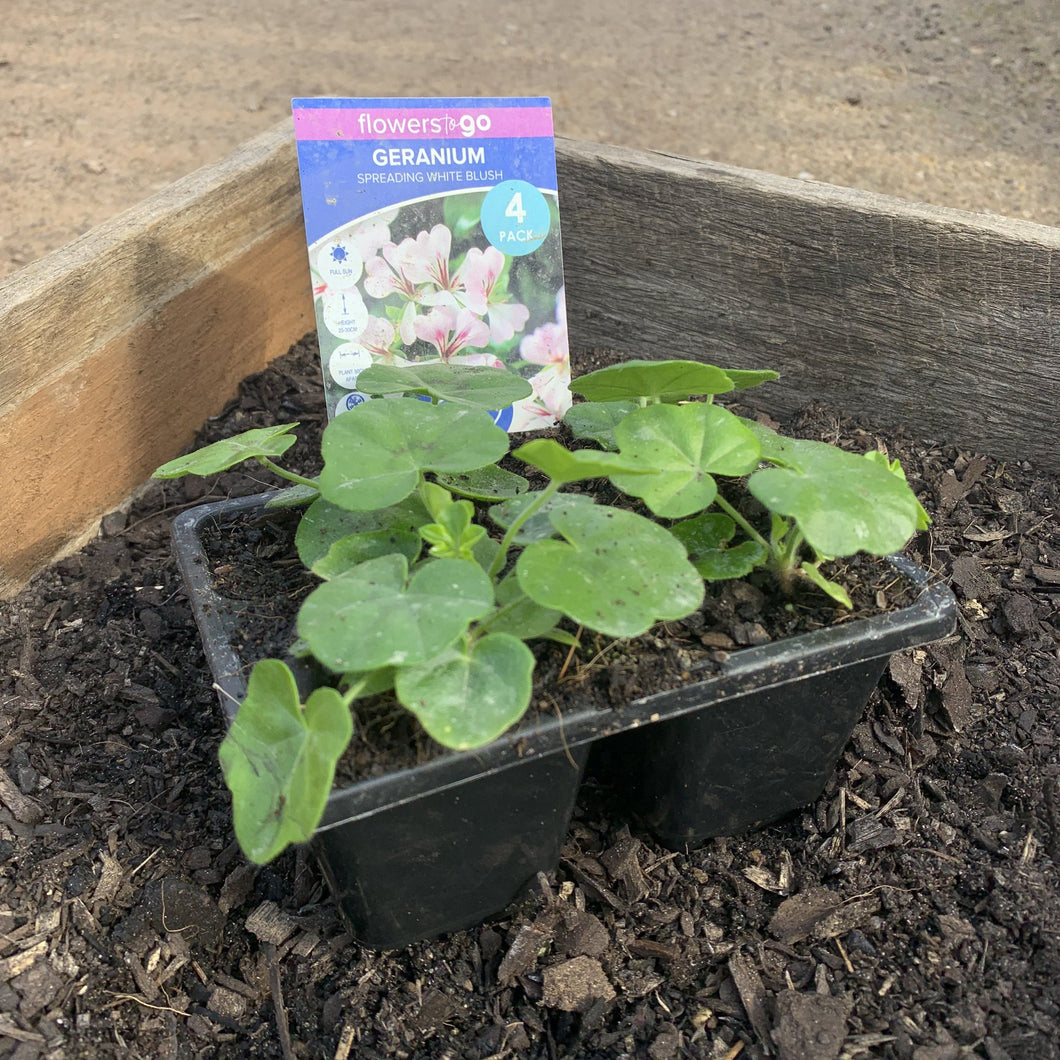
<point x="444" y="845"/>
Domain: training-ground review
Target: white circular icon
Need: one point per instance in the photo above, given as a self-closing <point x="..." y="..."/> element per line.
<point x="345" y="313"/>
<point x="339" y="264"/>
<point x="346" y="363"/>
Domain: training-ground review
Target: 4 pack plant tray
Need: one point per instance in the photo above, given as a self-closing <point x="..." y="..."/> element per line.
<point x="441" y="846"/>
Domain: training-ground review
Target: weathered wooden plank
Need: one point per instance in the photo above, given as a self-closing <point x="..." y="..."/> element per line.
<point x="114" y="349"/>
<point x="944" y="321"/>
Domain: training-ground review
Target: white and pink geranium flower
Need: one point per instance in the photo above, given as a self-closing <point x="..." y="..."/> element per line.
<point x="479" y="274"/>
<point x="450" y="330"/>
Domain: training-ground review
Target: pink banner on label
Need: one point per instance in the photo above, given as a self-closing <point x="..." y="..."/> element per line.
<point x="342" y="123"/>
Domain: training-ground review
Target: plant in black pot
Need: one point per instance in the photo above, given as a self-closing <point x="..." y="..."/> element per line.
<point x="437" y="565"/>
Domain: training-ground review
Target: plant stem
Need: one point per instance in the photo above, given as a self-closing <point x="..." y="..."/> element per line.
<point x="354" y="691"/>
<point x="506" y="542"/>
<point x="744" y="525"/>
<point x="500" y="612"/>
<point x="791" y="547"/>
<point x="289" y="475"/>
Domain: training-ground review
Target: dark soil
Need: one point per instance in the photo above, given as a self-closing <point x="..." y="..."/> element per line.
<point x="912" y="912"/>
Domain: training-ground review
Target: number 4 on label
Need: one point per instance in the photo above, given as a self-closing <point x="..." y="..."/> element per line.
<point x="515" y="208"/>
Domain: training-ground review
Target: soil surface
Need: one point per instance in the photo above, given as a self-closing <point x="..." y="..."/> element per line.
<point x="952" y="103"/>
<point x="912" y="912"/>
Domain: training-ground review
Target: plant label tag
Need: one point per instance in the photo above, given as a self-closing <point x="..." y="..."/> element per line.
<point x="433" y="234"/>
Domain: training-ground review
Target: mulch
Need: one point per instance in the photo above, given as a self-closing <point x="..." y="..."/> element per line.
<point x="912" y="912"/>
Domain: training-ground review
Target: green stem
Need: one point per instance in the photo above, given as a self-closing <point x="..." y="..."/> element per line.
<point x="500" y="612"/>
<point x="354" y="691"/>
<point x="791" y="547"/>
<point x="744" y="525"/>
<point x="506" y="542"/>
<point x="289" y="475"/>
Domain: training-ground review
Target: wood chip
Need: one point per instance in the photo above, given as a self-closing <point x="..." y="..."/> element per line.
<point x="809" y="1025"/>
<point x="12" y="1030"/>
<point x="849" y="915"/>
<point x="523" y="953"/>
<point x="271" y="924"/>
<point x="110" y="879"/>
<point x="22" y="807"/>
<point x="19" y="962"/>
<point x="752" y="994"/>
<point x="798" y="916"/>
<point x="575" y="985"/>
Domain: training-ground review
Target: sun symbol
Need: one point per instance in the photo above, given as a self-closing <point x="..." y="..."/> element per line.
<point x="338" y="253"/>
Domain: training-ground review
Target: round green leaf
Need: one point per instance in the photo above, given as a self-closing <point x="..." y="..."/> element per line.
<point x="279" y="760"/>
<point x="466" y="698"/>
<point x="596" y="420"/>
<point x="615" y="572"/>
<point x="653" y="380"/>
<point x="538" y="526"/>
<point x="324" y="523"/>
<point x="370" y="617"/>
<point x="489" y="483"/>
<point x="721" y="564"/>
<point x="518" y="615"/>
<point x="374" y="454"/>
<point x="682" y="446"/>
<point x="703" y="532"/>
<point x="841" y="502"/>
<point x="354" y="549"/>
<point x="261" y="441"/>
<point x="478" y="386"/>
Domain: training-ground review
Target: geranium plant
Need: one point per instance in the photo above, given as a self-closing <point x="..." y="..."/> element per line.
<point x="437" y="565"/>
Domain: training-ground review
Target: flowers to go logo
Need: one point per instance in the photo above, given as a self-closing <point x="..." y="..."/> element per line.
<point x="421" y="282"/>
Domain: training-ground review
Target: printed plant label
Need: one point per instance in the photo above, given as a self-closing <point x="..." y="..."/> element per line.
<point x="433" y="233"/>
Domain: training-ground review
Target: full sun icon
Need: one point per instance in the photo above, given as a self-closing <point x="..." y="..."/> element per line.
<point x="338" y="253"/>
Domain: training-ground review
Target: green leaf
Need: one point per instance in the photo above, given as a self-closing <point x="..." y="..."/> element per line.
<point x="923" y="520"/>
<point x="293" y="496"/>
<point x="517" y="614"/>
<point x="565" y="466"/>
<point x="376" y="616"/>
<point x="468" y="696"/>
<point x="833" y="589"/>
<point x="453" y="535"/>
<point x="353" y="549"/>
<point x="279" y="760"/>
<point x="743" y="378"/>
<point x="539" y="525"/>
<point x="708" y="530"/>
<point x="261" y="441"/>
<point x="324" y="523"/>
<point x="676" y="449"/>
<point x="371" y="683"/>
<point x="489" y="483"/>
<point x="705" y="537"/>
<point x="841" y="502"/>
<point x="596" y="420"/>
<point x="653" y="380"/>
<point x="722" y="564"/>
<point x="373" y="455"/>
<point x="478" y="386"/>
<point x="776" y="448"/>
<point x="615" y="572"/>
